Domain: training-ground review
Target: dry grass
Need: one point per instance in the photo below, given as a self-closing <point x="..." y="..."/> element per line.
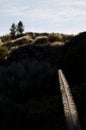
<point x="53" y="37"/>
<point x="22" y="41"/>
<point x="40" y="40"/>
<point x="57" y="44"/>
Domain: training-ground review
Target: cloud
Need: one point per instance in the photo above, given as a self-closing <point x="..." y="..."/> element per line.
<point x="49" y="14"/>
<point x="3" y="1"/>
<point x="74" y="2"/>
<point x="55" y="16"/>
<point x="12" y="11"/>
<point x="45" y="9"/>
<point x="12" y="8"/>
<point x="57" y="11"/>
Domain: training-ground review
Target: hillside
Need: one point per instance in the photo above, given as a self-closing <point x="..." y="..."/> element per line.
<point x="31" y="81"/>
<point x="34" y="41"/>
<point x="67" y="54"/>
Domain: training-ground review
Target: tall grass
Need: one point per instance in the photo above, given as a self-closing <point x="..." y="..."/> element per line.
<point x="26" y="88"/>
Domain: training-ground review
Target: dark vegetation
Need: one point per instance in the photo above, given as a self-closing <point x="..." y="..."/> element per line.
<point x="29" y="88"/>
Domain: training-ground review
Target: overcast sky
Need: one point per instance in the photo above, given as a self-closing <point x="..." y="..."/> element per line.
<point x="62" y="16"/>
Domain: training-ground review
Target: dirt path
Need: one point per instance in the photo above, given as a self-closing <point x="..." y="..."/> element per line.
<point x="70" y="110"/>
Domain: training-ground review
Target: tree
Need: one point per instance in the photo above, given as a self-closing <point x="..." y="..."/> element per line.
<point x="13" y="30"/>
<point x="20" y="28"/>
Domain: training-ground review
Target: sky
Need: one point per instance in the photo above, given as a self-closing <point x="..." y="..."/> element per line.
<point x="61" y="16"/>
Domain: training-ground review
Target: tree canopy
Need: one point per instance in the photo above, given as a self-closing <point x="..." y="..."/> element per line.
<point x="16" y="30"/>
<point x="20" y="28"/>
<point x="13" y="30"/>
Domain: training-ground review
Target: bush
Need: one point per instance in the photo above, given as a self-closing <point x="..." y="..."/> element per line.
<point x="22" y="41"/>
<point x="67" y="38"/>
<point x="6" y="38"/>
<point x="3" y="52"/>
<point x="40" y="40"/>
<point x="54" y="37"/>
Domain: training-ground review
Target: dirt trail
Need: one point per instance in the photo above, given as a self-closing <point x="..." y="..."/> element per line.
<point x="70" y="110"/>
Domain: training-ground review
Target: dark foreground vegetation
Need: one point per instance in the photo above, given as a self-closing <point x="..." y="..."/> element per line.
<point x="29" y="88"/>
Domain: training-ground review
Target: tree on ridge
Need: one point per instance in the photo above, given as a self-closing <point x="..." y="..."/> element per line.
<point x="13" y="31"/>
<point x="20" y="28"/>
